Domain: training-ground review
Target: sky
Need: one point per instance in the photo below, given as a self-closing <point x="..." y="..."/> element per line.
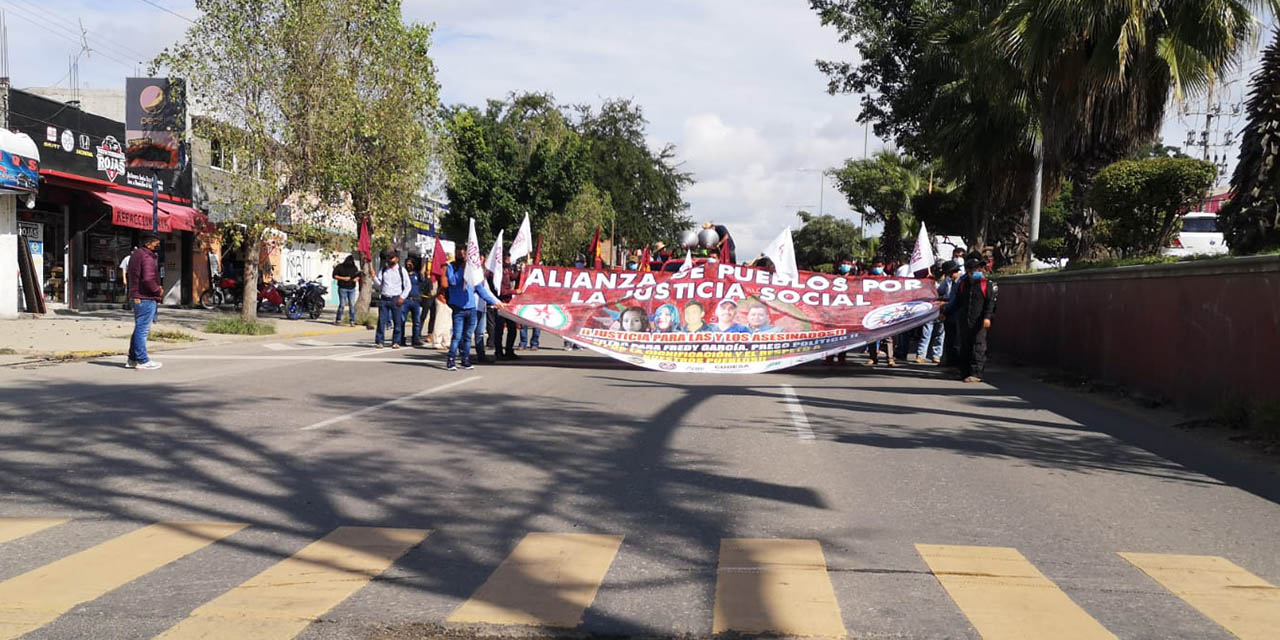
<point x="731" y="83"/>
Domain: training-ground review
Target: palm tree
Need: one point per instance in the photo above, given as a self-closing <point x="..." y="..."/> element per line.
<point x="1100" y="72"/>
<point x="1251" y="220"/>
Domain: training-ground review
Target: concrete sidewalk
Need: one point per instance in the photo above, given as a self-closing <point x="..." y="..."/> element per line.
<point x="69" y="335"/>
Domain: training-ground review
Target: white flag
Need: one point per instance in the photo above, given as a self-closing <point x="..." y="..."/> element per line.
<point x="523" y="244"/>
<point x="783" y="254"/>
<point x="922" y="255"/>
<point x="688" y="260"/>
<point x="494" y="264"/>
<point x="474" y="273"/>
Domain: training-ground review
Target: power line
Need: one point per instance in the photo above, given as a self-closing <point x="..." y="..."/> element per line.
<point x="82" y="37"/>
<point x="75" y="39"/>
<point x="67" y="22"/>
<point x="168" y="10"/>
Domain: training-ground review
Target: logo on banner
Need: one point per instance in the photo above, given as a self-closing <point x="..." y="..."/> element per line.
<point x="68" y="141"/>
<point x="110" y="157"/>
<point x="50" y="134"/>
<point x="895" y="313"/>
<point x="551" y="316"/>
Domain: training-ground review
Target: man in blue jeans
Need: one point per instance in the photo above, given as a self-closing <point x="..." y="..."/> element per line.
<point x="392" y="286"/>
<point x="413" y="306"/>
<point x="462" y="301"/>
<point x="145" y="292"/>
<point x="525" y="343"/>
<point x="347" y="275"/>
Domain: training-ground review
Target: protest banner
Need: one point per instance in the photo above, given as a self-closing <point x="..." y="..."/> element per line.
<point x="719" y="318"/>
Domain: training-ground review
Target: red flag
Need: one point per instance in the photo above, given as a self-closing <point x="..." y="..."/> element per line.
<point x="596" y="260"/>
<point x="438" y="260"/>
<point x="644" y="259"/>
<point x="724" y="250"/>
<point x="537" y="251"/>
<point x="366" y="242"/>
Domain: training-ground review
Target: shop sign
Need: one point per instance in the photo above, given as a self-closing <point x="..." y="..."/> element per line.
<point x="155" y="118"/>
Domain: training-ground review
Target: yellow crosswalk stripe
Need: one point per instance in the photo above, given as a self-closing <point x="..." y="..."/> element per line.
<point x="1005" y="596"/>
<point x="548" y="580"/>
<point x="38" y="597"/>
<point x="775" y="586"/>
<point x="14" y="528"/>
<point x="281" y="601"/>
<point x="1240" y="602"/>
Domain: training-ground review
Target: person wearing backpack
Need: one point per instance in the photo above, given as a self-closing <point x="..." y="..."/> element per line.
<point x="393" y="286"/>
<point x="971" y="311"/>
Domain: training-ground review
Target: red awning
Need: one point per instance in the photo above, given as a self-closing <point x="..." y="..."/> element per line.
<point x="127" y="211"/>
<point x="186" y="218"/>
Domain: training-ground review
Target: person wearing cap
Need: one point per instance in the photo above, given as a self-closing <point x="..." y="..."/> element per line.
<point x="725" y="312"/>
<point x="393" y="286"/>
<point x="935" y="333"/>
<point x="971" y="309"/>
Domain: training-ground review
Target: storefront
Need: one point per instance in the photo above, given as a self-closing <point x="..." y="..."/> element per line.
<point x="91" y="211"/>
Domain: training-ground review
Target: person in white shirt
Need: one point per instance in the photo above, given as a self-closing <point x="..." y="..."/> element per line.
<point x="392" y="286"/>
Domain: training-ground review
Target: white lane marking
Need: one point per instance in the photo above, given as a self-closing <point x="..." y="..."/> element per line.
<point x="355" y="414"/>
<point x="326" y="345"/>
<point x="798" y="420"/>
<point x="277" y="346"/>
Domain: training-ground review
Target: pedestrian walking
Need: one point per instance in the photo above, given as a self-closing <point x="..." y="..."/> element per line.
<point x="530" y="337"/>
<point x="885" y="346"/>
<point x="504" y="333"/>
<point x="392" y="286"/>
<point x="462" y="302"/>
<point x="413" y="306"/>
<point x="950" y="280"/>
<point x="933" y="335"/>
<point x="347" y="275"/>
<point x="144" y="292"/>
<point x="972" y="308"/>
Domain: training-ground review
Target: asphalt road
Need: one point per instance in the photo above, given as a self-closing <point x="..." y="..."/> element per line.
<point x="380" y="496"/>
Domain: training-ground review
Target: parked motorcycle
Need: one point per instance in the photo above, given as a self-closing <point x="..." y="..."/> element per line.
<point x="271" y="298"/>
<point x="225" y="290"/>
<point x="307" y="297"/>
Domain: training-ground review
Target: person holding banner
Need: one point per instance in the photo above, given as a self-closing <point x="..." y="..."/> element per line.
<point x="462" y="302"/>
<point x="877" y="271"/>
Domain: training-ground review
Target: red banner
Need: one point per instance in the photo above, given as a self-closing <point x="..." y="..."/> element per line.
<point x="719" y="318"/>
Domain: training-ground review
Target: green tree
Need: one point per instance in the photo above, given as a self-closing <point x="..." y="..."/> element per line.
<point x="882" y="188"/>
<point x="382" y="124"/>
<point x="824" y="239"/>
<point x="1251" y="220"/>
<point x="643" y="186"/>
<point x="568" y="232"/>
<point x="249" y="75"/>
<point x="514" y="156"/>
<point x="1141" y="202"/>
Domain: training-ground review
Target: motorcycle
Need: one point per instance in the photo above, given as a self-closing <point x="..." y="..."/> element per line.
<point x="271" y="298"/>
<point x="307" y="297"/>
<point x="225" y="290"/>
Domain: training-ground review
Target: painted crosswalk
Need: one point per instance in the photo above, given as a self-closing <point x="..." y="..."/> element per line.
<point x="769" y="586"/>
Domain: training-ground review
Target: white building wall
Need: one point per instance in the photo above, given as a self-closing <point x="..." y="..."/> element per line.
<point x="309" y="262"/>
<point x="9" y="301"/>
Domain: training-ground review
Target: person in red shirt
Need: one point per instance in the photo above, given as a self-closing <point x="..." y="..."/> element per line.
<point x="145" y="292"/>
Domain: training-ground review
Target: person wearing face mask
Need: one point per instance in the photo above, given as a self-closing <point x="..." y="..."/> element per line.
<point x="846" y="265"/>
<point x="884" y="346"/>
<point x="971" y="310"/>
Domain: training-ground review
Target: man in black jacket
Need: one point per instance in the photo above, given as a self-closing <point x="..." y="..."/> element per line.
<point x="971" y="311"/>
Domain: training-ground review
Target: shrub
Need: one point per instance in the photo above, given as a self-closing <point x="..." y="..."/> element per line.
<point x="1141" y="202"/>
<point x="238" y="326"/>
<point x="171" y="335"/>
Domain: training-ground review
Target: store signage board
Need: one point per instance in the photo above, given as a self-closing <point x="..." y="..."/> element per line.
<point x="155" y="119"/>
<point x="81" y="144"/>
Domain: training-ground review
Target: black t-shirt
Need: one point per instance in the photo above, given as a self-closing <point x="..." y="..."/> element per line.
<point x="347" y="271"/>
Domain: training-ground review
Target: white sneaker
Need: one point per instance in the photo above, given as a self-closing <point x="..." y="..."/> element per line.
<point x="131" y="364"/>
<point x="149" y="365"/>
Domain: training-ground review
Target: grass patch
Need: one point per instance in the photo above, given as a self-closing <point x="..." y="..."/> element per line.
<point x="238" y="326"/>
<point x="367" y="320"/>
<point x="6" y="351"/>
<point x="171" y="335"/>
